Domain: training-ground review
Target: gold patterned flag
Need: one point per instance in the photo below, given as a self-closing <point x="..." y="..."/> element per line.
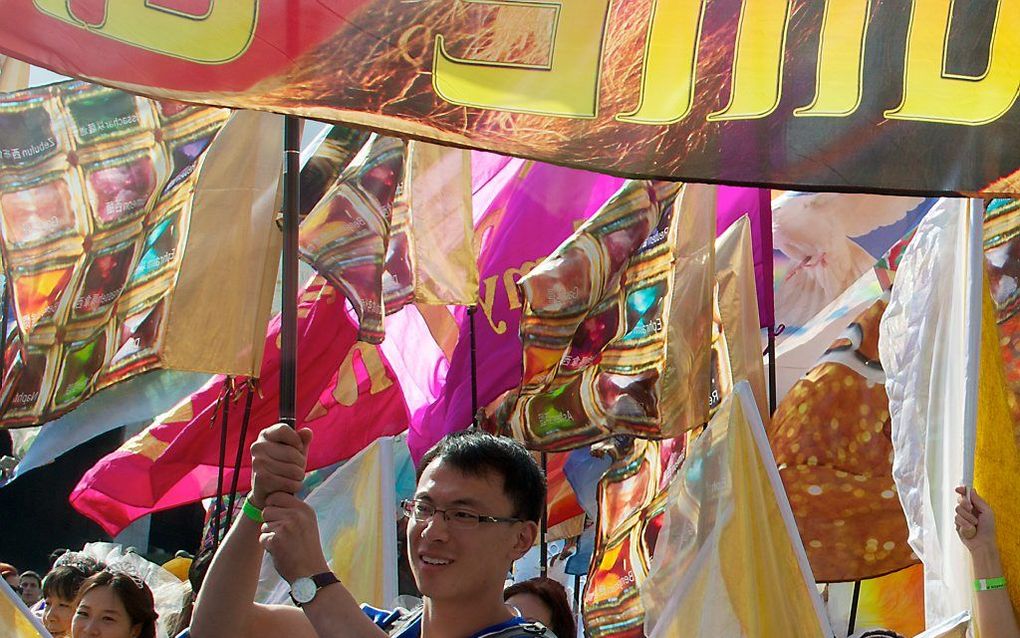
<point x="729" y="561"/>
<point x="136" y="235"/>
<point x="616" y="324"/>
<point x="632" y="493"/>
<point x="391" y="226"/>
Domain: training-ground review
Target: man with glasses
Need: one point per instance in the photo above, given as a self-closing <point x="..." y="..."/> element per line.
<point x="475" y="511"/>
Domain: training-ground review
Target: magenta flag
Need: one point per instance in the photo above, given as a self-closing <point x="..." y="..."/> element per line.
<point x="347" y="393"/>
<point x="734" y="202"/>
<point x="523" y="211"/>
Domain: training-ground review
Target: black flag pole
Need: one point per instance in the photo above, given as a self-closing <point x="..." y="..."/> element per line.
<point x="474" y="367"/>
<point x="543" y="558"/>
<point x="288" y="305"/>
<point x="772" y="368"/>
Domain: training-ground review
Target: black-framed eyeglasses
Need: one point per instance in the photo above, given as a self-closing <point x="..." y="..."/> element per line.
<point x="456" y="517"/>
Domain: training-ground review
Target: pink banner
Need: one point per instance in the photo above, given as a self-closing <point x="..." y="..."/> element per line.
<point x="527" y="209"/>
<point x="347" y="394"/>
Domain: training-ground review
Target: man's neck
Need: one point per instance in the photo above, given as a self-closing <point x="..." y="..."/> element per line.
<point x="460" y="619"/>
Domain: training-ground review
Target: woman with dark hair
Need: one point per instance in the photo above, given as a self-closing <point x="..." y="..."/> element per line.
<point x="543" y="600"/>
<point x="114" y="604"/>
<point x="60" y="589"/>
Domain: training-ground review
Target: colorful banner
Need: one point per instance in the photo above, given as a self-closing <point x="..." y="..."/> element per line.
<point x="346" y="393"/>
<point x="512" y="199"/>
<point x="882" y="95"/>
<point x="825" y="241"/>
<point x="136" y="235"/>
<point x="616" y="323"/>
<point x="730" y="562"/>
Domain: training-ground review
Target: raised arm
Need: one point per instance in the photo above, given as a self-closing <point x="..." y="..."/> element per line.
<point x="225" y="605"/>
<point x="291" y="535"/>
<point x="975" y="523"/>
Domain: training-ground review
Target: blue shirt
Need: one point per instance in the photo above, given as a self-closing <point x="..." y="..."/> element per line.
<point x="388" y="621"/>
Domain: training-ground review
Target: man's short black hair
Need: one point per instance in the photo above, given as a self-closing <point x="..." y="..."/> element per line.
<point x="477" y="453"/>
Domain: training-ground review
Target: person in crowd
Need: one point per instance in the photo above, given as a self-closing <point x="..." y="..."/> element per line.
<point x="543" y="600"/>
<point x="31" y="587"/>
<point x="475" y="511"/>
<point x="60" y="589"/>
<point x="114" y="604"/>
<point x="10" y="574"/>
<point x="975" y="523"/>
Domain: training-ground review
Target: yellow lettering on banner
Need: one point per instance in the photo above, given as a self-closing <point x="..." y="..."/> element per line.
<point x="221" y="35"/>
<point x="757" y="61"/>
<point x="671" y="58"/>
<point x="346" y="391"/>
<point x="840" y="73"/>
<point x="930" y="94"/>
<point x="488" y="299"/>
<point x="565" y="87"/>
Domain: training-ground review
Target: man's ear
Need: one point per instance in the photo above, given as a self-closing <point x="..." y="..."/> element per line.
<point x="525" y="540"/>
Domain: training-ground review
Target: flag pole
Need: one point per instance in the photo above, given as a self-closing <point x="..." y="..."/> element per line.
<point x="543" y="558"/>
<point x="288" y="306"/>
<point x="475" y="420"/>
<point x="975" y="292"/>
<point x="853" y="608"/>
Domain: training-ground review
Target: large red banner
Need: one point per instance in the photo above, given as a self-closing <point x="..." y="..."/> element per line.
<point x="878" y="95"/>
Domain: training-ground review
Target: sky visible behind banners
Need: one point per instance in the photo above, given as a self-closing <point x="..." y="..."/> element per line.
<point x="883" y="96"/>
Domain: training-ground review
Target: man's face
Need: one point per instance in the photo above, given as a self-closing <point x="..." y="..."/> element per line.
<point x="31" y="592"/>
<point x="461" y="564"/>
<point x="13" y="580"/>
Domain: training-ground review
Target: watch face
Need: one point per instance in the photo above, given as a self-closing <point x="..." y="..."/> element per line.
<point x="303" y="590"/>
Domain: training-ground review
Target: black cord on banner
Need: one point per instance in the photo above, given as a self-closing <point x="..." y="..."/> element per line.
<point x="474" y="367"/>
<point x="221" y="467"/>
<point x="241" y="447"/>
<point x="772" y="369"/>
<point x="4" y="318"/>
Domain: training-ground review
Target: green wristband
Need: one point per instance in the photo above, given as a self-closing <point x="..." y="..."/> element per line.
<point x="252" y="512"/>
<point x="987" y="584"/>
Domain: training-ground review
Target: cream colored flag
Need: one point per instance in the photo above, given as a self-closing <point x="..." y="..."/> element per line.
<point x="16" y="621"/>
<point x="729" y="561"/>
<point x="439" y="198"/>
<point x="13" y="74"/>
<point x="738" y="308"/>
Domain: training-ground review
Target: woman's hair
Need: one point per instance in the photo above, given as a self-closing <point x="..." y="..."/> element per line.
<point x="132" y="592"/>
<point x="69" y="572"/>
<point x="552" y="594"/>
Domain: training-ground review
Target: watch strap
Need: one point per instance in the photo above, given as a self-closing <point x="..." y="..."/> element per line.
<point x="321" y="580"/>
<point x="324" y="580"/>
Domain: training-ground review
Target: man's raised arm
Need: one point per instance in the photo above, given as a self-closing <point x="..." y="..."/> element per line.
<point x="225" y="605"/>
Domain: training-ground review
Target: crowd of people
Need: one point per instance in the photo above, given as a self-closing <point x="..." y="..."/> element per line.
<point x="475" y="511"/>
